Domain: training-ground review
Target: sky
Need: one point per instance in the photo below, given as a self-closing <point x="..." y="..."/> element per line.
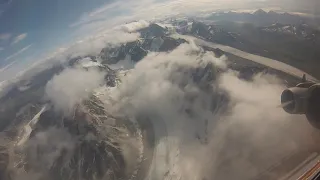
<point x="41" y="23"/>
<point x="31" y="29"/>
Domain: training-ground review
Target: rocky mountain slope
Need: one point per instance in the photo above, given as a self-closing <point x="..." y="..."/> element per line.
<point x="84" y="145"/>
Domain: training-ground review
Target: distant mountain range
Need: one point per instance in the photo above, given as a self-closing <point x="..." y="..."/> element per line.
<point x="288" y="38"/>
<point x="263" y="18"/>
<point x="303" y="31"/>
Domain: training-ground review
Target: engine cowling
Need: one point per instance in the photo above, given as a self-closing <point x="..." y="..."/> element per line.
<point x="303" y="99"/>
<point x="293" y="100"/>
<point x="313" y="105"/>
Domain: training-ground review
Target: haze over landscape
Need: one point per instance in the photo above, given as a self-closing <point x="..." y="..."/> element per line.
<point x="154" y="89"/>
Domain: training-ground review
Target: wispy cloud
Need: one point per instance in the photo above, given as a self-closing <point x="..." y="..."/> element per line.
<point x="19" y="38"/>
<point x="1" y="48"/>
<point x="147" y="9"/>
<point x="95" y="14"/>
<point x="18" y="53"/>
<point x="92" y="45"/>
<point x="5" y="36"/>
<point x="124" y="11"/>
<point x="4" y="4"/>
<point x="7" y="66"/>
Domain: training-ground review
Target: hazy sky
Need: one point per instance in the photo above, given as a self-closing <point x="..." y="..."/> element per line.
<point x="42" y="23"/>
<point x="29" y="28"/>
<point x="309" y="6"/>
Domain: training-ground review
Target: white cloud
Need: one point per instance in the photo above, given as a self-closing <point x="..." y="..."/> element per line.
<point x="129" y="10"/>
<point x="1" y="48"/>
<point x="71" y="86"/>
<point x="193" y="130"/>
<point x="90" y="45"/>
<point x="19" y="38"/>
<point x="135" y="26"/>
<point x="18" y="53"/>
<point x="94" y="44"/>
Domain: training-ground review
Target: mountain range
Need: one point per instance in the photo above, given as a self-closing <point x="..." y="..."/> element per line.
<point x="289" y="38"/>
<point x="96" y="153"/>
<point x="263" y="18"/>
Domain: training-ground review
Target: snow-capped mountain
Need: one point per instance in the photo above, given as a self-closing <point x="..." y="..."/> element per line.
<point x="303" y="31"/>
<point x="261" y="17"/>
<point x="153" y="38"/>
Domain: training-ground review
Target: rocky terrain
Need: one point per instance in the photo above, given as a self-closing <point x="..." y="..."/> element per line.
<point x="91" y="141"/>
<point x="88" y="142"/>
<point x="153" y="39"/>
<point x="288" y="38"/>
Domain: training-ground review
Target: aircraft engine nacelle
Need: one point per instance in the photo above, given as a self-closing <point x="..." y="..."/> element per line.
<point x="303" y="99"/>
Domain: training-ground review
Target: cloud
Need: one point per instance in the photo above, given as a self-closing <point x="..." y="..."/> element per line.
<point x="71" y="86"/>
<point x="130" y="10"/>
<point x="19" y="38"/>
<point x="46" y="147"/>
<point x="18" y="53"/>
<point x="124" y="11"/>
<point x="110" y="8"/>
<point x="5" y="36"/>
<point x="208" y="122"/>
<point x="7" y="66"/>
<point x="94" y="44"/>
<point x="135" y="26"/>
<point x="90" y="45"/>
<point x="1" y="48"/>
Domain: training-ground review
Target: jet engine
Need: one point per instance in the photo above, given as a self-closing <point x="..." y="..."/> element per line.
<point x="303" y="99"/>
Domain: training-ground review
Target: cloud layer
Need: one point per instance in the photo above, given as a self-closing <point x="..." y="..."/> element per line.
<point x="208" y="123"/>
<point x="123" y="11"/>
